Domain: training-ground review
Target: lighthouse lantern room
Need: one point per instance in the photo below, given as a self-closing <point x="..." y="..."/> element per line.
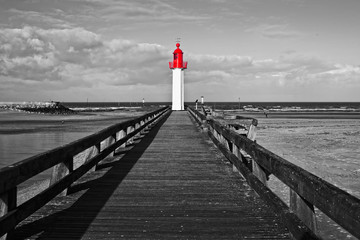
<point x="178" y="66"/>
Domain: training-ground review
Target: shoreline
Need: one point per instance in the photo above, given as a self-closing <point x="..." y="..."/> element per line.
<point x="294" y="115"/>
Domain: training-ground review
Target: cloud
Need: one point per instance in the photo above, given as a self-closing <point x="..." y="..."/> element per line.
<point x="79" y="57"/>
<point x="35" y="58"/>
<point x="342" y="74"/>
<point x="51" y="19"/>
<point x="274" y="31"/>
<point x="145" y="11"/>
<point x="289" y="71"/>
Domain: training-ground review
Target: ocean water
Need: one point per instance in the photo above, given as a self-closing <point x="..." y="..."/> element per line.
<point x="23" y="135"/>
<point x="249" y="106"/>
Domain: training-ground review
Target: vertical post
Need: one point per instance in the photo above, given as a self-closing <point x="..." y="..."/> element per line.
<point x="137" y="126"/>
<point x="236" y="152"/>
<point x="142" y="123"/>
<point x="129" y="130"/>
<point x="122" y="134"/>
<point x="204" y="125"/>
<point x="8" y="202"/>
<point x="258" y="171"/>
<point x="98" y="150"/>
<point x="303" y="209"/>
<point x="86" y="156"/>
<point x="61" y="170"/>
<point x="112" y="140"/>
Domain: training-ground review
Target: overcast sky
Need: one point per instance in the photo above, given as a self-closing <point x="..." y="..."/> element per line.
<point x="113" y="50"/>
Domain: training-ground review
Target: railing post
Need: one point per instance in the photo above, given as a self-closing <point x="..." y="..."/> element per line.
<point x="97" y="150"/>
<point x="122" y="134"/>
<point x="258" y="171"/>
<point x="303" y="209"/>
<point x="112" y="140"/>
<point x="61" y="170"/>
<point x="8" y="202"/>
<point x="130" y="129"/>
<point x="137" y="126"/>
<point x="236" y="152"/>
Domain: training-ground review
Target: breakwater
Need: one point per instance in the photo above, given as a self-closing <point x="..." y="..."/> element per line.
<point x="38" y="107"/>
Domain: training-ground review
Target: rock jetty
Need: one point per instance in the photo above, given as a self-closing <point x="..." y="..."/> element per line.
<point x="38" y="107"/>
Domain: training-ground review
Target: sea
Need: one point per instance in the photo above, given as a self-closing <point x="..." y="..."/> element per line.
<point x="321" y="137"/>
<point x="250" y="106"/>
<point x="23" y="135"/>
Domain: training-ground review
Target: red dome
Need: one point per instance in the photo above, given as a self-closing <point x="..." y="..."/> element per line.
<point x="178" y="59"/>
<point x="178" y="50"/>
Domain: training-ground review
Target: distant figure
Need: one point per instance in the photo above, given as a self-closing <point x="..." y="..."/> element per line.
<point x="196" y="102"/>
<point x="265" y="113"/>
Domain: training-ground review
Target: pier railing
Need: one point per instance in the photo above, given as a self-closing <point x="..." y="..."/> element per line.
<point x="307" y="191"/>
<point x="68" y="162"/>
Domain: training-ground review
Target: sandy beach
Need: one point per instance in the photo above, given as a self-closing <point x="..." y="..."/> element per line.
<point x="325" y="144"/>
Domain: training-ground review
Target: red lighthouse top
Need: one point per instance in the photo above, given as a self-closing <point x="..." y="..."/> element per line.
<point x="178" y="59"/>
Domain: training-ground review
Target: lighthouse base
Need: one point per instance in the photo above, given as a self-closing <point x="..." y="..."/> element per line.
<point x="178" y="90"/>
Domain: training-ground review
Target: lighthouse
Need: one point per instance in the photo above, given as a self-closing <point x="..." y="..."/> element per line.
<point x="178" y="66"/>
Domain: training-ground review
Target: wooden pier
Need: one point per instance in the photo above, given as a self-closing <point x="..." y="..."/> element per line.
<point x="169" y="182"/>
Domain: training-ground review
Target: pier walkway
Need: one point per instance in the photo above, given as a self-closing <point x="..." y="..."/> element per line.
<point x="173" y="184"/>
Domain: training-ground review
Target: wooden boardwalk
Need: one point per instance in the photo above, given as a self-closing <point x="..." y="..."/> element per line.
<point x="174" y="184"/>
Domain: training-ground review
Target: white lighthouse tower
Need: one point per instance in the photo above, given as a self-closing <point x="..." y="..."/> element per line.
<point x="178" y="66"/>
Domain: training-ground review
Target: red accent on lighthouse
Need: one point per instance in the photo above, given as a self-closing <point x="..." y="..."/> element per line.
<point x="178" y="59"/>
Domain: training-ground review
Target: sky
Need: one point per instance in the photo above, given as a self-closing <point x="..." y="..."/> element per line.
<point x="118" y="51"/>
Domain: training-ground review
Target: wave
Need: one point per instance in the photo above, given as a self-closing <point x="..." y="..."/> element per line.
<point x="102" y="109"/>
<point x="299" y="109"/>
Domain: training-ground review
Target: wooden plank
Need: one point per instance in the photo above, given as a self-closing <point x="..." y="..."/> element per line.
<point x="61" y="170"/>
<point x="339" y="205"/>
<point x="173" y="185"/>
<point x="8" y="202"/>
<point x="63" y="177"/>
<point x="304" y="210"/>
<point x="296" y="227"/>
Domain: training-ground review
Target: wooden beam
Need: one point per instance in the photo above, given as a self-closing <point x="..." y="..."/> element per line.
<point x="19" y="172"/>
<point x="342" y="207"/>
<point x="62" y="178"/>
<point x="297" y="228"/>
<point x="304" y="210"/>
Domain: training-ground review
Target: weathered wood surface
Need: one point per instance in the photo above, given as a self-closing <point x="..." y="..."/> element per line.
<point x="173" y="185"/>
<point x="307" y="190"/>
<point x="64" y="175"/>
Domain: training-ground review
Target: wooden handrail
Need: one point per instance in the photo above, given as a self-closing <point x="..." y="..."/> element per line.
<point x="63" y="158"/>
<point x="307" y="190"/>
